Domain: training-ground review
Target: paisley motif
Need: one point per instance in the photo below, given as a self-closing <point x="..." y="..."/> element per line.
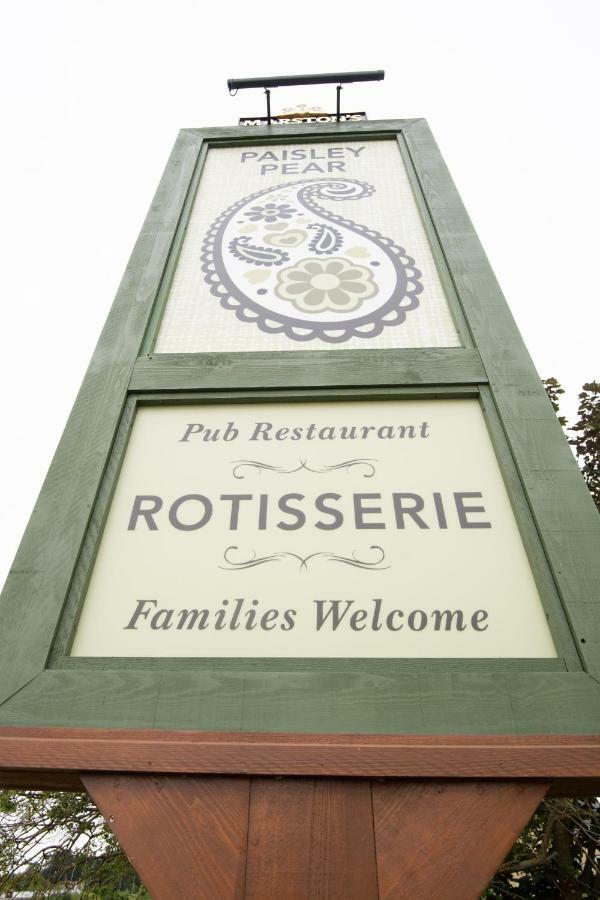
<point x="323" y="277"/>
<point x="327" y="239"/>
<point x="242" y="249"/>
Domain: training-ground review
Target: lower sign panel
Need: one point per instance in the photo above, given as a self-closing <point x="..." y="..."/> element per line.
<point x="364" y="529"/>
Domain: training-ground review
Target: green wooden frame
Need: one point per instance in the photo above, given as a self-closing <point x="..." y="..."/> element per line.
<point x="41" y="686"/>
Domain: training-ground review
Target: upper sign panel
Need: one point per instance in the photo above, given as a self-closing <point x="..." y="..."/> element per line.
<point x="305" y="246"/>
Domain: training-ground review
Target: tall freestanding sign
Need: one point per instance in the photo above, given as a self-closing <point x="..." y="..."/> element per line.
<point x="312" y="515"/>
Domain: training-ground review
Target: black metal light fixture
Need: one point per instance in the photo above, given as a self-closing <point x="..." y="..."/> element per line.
<point x="338" y="78"/>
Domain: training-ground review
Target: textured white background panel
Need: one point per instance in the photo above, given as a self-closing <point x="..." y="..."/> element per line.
<point x="385" y="213"/>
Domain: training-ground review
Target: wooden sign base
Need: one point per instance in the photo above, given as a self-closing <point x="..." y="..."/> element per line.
<point x="228" y="838"/>
<point x="232" y="815"/>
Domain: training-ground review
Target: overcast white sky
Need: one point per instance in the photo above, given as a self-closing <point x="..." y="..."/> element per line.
<point x="94" y="92"/>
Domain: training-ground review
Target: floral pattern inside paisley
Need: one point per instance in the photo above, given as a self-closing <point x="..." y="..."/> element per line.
<point x="337" y="285"/>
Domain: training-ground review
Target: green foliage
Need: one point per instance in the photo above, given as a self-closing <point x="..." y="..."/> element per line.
<point x="586" y="440"/>
<point x="52" y="841"/>
<point x="587" y="437"/>
<point x="556" y="857"/>
<point x="554" y="391"/>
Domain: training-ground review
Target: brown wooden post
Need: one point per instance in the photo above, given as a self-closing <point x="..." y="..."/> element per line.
<point x="445" y="839"/>
<point x="185" y="837"/>
<point x="227" y="838"/>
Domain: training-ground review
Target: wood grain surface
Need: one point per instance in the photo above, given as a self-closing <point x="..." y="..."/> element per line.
<point x="310" y="839"/>
<point x="446" y="840"/>
<point x="302" y="368"/>
<point x="36" y="753"/>
<point x="228" y="838"/>
<point x="355" y="698"/>
<point x="186" y="837"/>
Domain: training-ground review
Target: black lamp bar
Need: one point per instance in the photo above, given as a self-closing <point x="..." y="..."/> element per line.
<point x="339" y="78"/>
<point x="240" y="84"/>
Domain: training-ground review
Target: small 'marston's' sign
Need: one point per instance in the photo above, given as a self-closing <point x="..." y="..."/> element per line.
<point x="314" y="118"/>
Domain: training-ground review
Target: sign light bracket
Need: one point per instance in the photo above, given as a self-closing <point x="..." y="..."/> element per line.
<point x="338" y="78"/>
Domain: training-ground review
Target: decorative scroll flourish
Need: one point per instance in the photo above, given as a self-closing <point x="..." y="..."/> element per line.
<point x="317" y="470"/>
<point x="258" y="256"/>
<point x="374" y="565"/>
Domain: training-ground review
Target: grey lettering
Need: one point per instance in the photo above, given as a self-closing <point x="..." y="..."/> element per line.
<point x="389" y="619"/>
<point x="262" y="512"/>
<point x="477" y="620"/>
<point x="463" y="511"/>
<point x="360" y="511"/>
<point x="140" y="612"/>
<point x="289" y="623"/>
<point x="412" y="620"/>
<point x="193" y="428"/>
<point x="336" y="515"/>
<point x="412" y="511"/>
<point x="286" y="508"/>
<point x="262" y="430"/>
<point x="230" y="432"/>
<point x="357" y="620"/>
<point x="193" y="526"/>
<point x="235" y="499"/>
<point x="333" y="611"/>
<point x="327" y="433"/>
<point x="189" y="617"/>
<point x="447" y="616"/>
<point x="147" y="514"/>
<point x="268" y="619"/>
<point x="161" y="619"/>
<point x="439" y="509"/>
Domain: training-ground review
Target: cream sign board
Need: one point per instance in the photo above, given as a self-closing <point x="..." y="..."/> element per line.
<point x="314" y="246"/>
<point x="338" y="529"/>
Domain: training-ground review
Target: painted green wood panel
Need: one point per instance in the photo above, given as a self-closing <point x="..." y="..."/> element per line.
<point x="39" y="578"/>
<point x="558" y="500"/>
<point x="383" y="667"/>
<point x="531" y="427"/>
<point x="91" y="543"/>
<point x="335" y="701"/>
<point x="550" y="597"/>
<point x="299" y="368"/>
<point x="454" y="696"/>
